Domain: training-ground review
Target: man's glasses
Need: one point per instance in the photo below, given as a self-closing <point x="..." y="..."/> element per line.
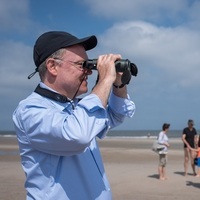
<point x="78" y="64"/>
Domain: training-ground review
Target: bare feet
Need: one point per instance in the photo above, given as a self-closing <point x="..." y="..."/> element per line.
<point x="194" y="174"/>
<point x="163" y="178"/>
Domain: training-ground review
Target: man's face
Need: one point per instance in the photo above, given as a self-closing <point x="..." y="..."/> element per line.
<point x="70" y="74"/>
<point x="191" y="124"/>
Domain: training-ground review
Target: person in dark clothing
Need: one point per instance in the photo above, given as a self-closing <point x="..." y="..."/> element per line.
<point x="188" y="138"/>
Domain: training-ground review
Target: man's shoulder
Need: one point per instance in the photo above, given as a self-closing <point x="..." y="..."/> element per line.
<point x="195" y="130"/>
<point x="34" y="100"/>
<point x="185" y="129"/>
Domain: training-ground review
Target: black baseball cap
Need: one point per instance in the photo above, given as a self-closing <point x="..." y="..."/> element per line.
<point x="50" y="42"/>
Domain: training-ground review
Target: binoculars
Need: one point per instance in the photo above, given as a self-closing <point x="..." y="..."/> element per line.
<point x="122" y="65"/>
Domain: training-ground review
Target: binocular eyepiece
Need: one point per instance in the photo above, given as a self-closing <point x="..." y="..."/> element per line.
<point x="120" y="65"/>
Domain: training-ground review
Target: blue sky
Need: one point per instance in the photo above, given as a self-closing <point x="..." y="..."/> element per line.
<point x="161" y="37"/>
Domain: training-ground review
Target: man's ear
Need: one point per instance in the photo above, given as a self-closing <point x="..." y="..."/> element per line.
<point x="51" y="66"/>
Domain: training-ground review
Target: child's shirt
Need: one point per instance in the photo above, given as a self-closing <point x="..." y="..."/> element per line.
<point x="198" y="153"/>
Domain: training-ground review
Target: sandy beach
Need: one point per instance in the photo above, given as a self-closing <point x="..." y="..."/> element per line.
<point x="130" y="165"/>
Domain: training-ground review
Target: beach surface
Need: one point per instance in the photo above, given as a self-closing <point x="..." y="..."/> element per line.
<point x="130" y="165"/>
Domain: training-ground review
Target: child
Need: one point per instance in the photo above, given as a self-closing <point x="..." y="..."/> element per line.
<point x="197" y="142"/>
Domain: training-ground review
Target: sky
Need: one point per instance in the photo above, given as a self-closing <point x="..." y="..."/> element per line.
<point x="161" y="37"/>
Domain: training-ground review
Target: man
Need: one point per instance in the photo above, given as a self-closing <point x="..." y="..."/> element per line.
<point x="57" y="131"/>
<point x="188" y="138"/>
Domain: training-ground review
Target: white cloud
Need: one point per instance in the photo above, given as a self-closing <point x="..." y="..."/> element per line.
<point x="149" y="10"/>
<point x="175" y="51"/>
<point x="168" y="61"/>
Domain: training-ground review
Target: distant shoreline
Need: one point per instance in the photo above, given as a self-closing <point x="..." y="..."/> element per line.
<point x="122" y="133"/>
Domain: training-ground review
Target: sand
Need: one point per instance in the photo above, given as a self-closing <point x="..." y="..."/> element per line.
<point x="130" y="165"/>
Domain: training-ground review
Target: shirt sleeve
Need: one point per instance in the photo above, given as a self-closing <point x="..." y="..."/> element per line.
<point x="161" y="138"/>
<point x="123" y="106"/>
<point x="46" y="128"/>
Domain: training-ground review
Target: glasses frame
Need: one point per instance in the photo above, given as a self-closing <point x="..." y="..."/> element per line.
<point x="77" y="64"/>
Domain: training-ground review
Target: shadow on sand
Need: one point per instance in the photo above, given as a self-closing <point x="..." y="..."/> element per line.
<point x="156" y="176"/>
<point x="183" y="174"/>
<point x="190" y="183"/>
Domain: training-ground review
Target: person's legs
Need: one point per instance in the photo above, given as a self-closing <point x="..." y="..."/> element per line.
<point x="161" y="167"/>
<point x="160" y="172"/>
<point x="186" y="159"/>
<point x="198" y="172"/>
<point x="164" y="166"/>
<point x="192" y="157"/>
<point x="198" y="167"/>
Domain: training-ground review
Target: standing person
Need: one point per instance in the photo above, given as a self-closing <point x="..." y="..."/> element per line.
<point x="188" y="138"/>
<point x="57" y="131"/>
<point x="163" y="139"/>
<point x="197" y="149"/>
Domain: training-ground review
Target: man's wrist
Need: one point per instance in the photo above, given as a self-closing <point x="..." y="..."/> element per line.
<point x="119" y="86"/>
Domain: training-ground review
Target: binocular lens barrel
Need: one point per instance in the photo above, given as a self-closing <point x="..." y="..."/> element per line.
<point x="120" y="65"/>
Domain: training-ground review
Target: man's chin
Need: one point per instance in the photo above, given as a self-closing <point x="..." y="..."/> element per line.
<point x="82" y="91"/>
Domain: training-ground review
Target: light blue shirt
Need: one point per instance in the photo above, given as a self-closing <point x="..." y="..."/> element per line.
<point x="58" y="148"/>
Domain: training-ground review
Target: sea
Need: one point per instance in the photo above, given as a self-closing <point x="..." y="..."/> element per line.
<point x="122" y="133"/>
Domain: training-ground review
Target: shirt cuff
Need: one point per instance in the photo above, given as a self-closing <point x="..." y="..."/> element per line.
<point x="122" y="106"/>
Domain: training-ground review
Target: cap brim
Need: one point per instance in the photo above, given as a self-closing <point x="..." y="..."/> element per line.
<point x="88" y="42"/>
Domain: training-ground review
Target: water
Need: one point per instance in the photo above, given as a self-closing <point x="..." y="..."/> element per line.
<point x="7" y="133"/>
<point x="122" y="133"/>
<point x="144" y="133"/>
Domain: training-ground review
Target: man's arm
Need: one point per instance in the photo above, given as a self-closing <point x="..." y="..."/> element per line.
<point x="184" y="140"/>
<point x="120" y="92"/>
<point x="107" y="76"/>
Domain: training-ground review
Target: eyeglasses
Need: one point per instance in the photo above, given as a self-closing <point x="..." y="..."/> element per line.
<point x="78" y="64"/>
